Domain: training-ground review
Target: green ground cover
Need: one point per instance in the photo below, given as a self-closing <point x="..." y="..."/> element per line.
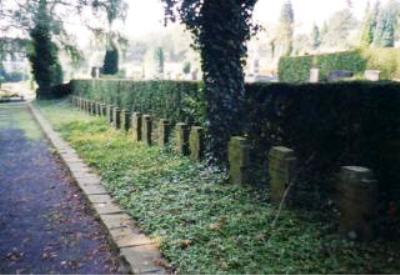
<point x="202" y="223"/>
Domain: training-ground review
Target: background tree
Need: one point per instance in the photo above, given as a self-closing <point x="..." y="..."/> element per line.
<point x="43" y="56"/>
<point x="369" y="24"/>
<point x="286" y="28"/>
<point x="315" y="37"/>
<point x="160" y="61"/>
<point x="386" y="25"/>
<point x="187" y="67"/>
<point x="115" y="9"/>
<point x="220" y="30"/>
<point x="339" y="28"/>
<point x="22" y="17"/>
<point x="111" y="60"/>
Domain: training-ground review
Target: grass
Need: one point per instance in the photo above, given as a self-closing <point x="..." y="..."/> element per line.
<point x="204" y="225"/>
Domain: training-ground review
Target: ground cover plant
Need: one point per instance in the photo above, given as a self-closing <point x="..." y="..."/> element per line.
<point x="202" y="223"/>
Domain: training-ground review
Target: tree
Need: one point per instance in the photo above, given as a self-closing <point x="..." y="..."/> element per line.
<point x="160" y="60"/>
<point x="340" y="26"/>
<point x="43" y="56"/>
<point x="286" y="28"/>
<point x="386" y="24"/>
<point x="315" y="37"/>
<point x="187" y="67"/>
<point x="111" y="61"/>
<point x="114" y="9"/>
<point x="23" y="16"/>
<point x="220" y="30"/>
<point x="369" y="25"/>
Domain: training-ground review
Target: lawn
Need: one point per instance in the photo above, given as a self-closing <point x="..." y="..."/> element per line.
<point x="202" y="223"/>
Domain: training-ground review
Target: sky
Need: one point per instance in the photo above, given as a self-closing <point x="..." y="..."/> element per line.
<point x="146" y="16"/>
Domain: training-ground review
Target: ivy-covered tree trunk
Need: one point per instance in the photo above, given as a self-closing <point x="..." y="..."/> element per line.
<point x="220" y="29"/>
<point x="222" y="43"/>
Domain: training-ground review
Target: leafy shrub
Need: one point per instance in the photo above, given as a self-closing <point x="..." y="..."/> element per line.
<point x="297" y="69"/>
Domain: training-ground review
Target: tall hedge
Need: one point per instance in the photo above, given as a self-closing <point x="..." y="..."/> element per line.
<point x="328" y="125"/>
<point x="297" y="69"/>
<point x="176" y="101"/>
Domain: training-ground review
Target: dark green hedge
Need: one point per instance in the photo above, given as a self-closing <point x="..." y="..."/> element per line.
<point x="176" y="101"/>
<point x="297" y="69"/>
<point x="329" y="125"/>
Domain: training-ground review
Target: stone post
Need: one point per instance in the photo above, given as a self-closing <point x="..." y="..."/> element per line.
<point x="372" y="75"/>
<point x="81" y="103"/>
<point x="182" y="138"/>
<point x="93" y="108"/>
<point x="125" y="119"/>
<point x="239" y="160"/>
<point x="357" y="201"/>
<point x="117" y="118"/>
<point x="282" y="169"/>
<point x="103" y="110"/>
<point x="98" y="111"/>
<point x="314" y="75"/>
<point x="87" y="106"/>
<point x="136" y="123"/>
<point x="89" y="110"/>
<point x="196" y="143"/>
<point x="164" y="129"/>
<point x="147" y="127"/>
<point x="110" y="113"/>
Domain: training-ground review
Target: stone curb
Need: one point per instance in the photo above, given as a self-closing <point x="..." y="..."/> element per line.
<point x="137" y="251"/>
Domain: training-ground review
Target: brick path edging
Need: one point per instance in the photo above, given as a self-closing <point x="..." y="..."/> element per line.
<point x="138" y="251"/>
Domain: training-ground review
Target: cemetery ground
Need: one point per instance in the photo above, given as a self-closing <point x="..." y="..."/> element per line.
<point x="204" y="224"/>
<point x="45" y="223"/>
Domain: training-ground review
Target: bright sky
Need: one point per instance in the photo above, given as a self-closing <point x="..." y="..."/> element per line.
<point x="147" y="15"/>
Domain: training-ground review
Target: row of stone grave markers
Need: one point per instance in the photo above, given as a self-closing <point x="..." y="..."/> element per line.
<point x="356" y="186"/>
<point x="189" y="140"/>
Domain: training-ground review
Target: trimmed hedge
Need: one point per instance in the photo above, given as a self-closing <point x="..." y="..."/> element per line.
<point x="297" y="69"/>
<point x="172" y="100"/>
<point x="328" y="125"/>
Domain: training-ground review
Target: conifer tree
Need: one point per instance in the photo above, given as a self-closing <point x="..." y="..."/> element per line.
<point x="316" y="37"/>
<point x="286" y="28"/>
<point x="369" y="24"/>
<point x="386" y="24"/>
<point x="46" y="68"/>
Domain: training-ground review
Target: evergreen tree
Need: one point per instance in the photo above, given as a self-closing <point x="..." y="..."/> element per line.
<point x="339" y="27"/>
<point x="286" y="28"/>
<point x="111" y="60"/>
<point x="315" y="37"/>
<point x="386" y="24"/>
<point x="160" y="59"/>
<point x="369" y="24"/>
<point x="46" y="68"/>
